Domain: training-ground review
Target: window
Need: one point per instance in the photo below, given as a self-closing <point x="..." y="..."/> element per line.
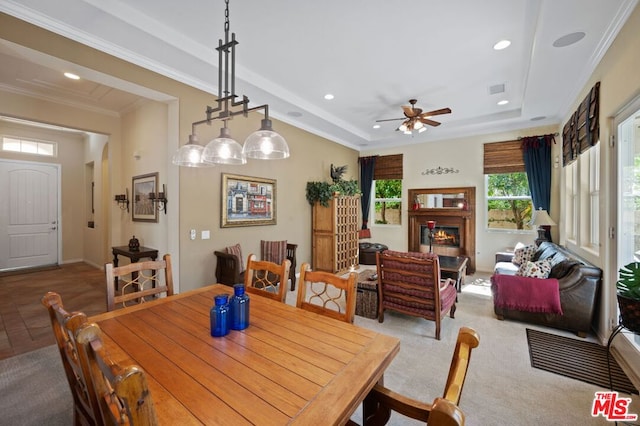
<point x="594" y="196"/>
<point x="571" y="202"/>
<point x="387" y="190"/>
<point x="509" y="203"/>
<point x="387" y="203"/>
<point x="29" y="146"/>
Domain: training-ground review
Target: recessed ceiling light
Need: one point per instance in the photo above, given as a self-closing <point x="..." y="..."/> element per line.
<point x="502" y="44"/>
<point x="376" y="126"/>
<point x="328" y="96"/>
<point x="569" y="39"/>
<point x="72" y="76"/>
<point x="503" y="102"/>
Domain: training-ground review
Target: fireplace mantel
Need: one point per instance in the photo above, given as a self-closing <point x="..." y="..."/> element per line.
<point x="448" y="207"/>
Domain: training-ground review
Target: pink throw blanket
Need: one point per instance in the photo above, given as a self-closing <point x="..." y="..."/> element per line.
<point x="526" y="293"/>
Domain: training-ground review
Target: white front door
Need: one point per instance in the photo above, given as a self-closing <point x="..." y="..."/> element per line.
<point x="29" y="214"/>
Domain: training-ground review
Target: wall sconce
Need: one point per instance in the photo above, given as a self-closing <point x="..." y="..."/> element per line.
<point x="159" y="199"/>
<point x="123" y="200"/>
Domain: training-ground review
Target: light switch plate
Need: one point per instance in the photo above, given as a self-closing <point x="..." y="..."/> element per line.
<point x="205" y="235"/>
<point x="192" y="234"/>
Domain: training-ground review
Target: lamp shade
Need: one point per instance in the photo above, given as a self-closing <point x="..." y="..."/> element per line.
<point x="542" y="218"/>
<point x="265" y="144"/>
<point x="224" y="150"/>
<point x="190" y="154"/>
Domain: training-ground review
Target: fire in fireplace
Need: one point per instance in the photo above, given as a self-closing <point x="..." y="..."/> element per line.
<point x="448" y="236"/>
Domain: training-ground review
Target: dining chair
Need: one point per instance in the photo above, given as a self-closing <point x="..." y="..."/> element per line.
<point x="327" y="293"/>
<point x="265" y="278"/>
<point x="64" y="326"/>
<point x="124" y="397"/>
<point x="381" y="401"/>
<point x="410" y="283"/>
<point x="140" y="280"/>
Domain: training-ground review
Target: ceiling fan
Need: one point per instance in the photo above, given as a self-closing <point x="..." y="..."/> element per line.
<point x="415" y="119"/>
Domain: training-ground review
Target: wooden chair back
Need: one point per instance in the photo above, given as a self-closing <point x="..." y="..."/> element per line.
<point x="266" y="278"/>
<point x="124" y="397"/>
<point x="467" y="340"/>
<point x="444" y="411"/>
<point x="409" y="283"/>
<point x="64" y="325"/>
<point x="327" y="293"/>
<point x="140" y="280"/>
<point x="274" y="251"/>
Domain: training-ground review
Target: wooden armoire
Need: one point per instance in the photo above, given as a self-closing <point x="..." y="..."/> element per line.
<point x="335" y="234"/>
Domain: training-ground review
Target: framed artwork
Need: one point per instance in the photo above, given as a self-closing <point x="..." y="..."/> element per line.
<point x="143" y="208"/>
<point x="247" y="201"/>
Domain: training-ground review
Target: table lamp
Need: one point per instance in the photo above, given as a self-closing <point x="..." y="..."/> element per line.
<point x="544" y="223"/>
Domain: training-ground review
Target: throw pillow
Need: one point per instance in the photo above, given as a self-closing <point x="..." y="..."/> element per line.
<point x="522" y="255"/>
<point x="273" y="251"/>
<point x="238" y="252"/>
<point x="539" y="269"/>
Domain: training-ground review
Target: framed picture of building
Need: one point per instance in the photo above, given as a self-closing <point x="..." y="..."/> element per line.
<point x="143" y="208"/>
<point x="247" y="201"/>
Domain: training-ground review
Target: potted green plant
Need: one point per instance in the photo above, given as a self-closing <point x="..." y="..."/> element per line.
<point x="628" y="293"/>
<point x="323" y="191"/>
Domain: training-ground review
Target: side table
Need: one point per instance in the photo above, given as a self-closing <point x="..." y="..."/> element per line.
<point x="134" y="256"/>
<point x="454" y="267"/>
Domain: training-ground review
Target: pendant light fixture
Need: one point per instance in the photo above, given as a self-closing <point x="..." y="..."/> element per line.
<point x="264" y="144"/>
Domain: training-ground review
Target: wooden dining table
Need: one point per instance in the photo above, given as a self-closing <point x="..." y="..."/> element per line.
<point x="290" y="366"/>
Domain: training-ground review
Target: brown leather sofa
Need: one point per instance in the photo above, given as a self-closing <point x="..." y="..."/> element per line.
<point x="579" y="283"/>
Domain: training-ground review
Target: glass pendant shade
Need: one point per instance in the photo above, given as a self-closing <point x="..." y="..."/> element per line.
<point x="403" y="127"/>
<point x="190" y="154"/>
<point x="265" y="144"/>
<point x="224" y="150"/>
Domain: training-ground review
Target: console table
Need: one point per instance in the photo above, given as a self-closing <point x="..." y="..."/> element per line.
<point x="134" y="256"/>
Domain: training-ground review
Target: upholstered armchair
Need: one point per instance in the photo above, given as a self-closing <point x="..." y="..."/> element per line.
<point x="410" y="283"/>
<point x="230" y="264"/>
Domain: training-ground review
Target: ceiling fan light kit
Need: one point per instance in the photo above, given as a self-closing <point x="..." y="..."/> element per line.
<point x="415" y="119"/>
<point x="265" y="144"/>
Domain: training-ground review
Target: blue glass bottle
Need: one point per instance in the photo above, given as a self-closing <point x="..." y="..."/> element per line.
<point x="219" y="316"/>
<point x="239" y="308"/>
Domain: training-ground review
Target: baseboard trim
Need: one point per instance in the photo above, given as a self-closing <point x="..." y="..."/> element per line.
<point x="624" y="351"/>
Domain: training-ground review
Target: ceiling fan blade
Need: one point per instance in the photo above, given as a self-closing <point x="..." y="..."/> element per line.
<point x="436" y="112"/>
<point x="429" y="122"/>
<point x="390" y="119"/>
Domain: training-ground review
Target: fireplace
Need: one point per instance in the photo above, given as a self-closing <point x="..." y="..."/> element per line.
<point x="454" y="232"/>
<point x="445" y="236"/>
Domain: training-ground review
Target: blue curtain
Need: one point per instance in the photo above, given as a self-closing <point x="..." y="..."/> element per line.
<point x="537" y="161"/>
<point x="367" y="167"/>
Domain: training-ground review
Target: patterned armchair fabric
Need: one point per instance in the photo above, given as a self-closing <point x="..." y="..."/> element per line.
<point x="410" y="283"/>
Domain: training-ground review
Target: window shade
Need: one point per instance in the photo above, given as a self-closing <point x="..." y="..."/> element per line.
<point x="388" y="167"/>
<point x="582" y="131"/>
<point x="503" y="157"/>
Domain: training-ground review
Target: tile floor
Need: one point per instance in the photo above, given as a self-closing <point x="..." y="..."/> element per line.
<point x="24" y="322"/>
